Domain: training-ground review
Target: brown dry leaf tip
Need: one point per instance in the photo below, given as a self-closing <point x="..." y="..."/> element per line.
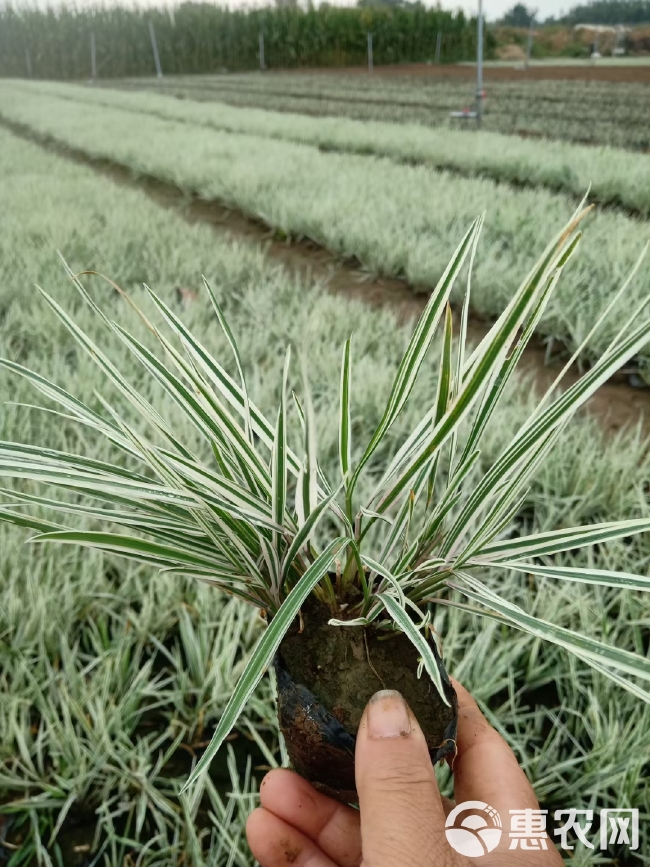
<point x="119" y="290"/>
<point x="574" y="223"/>
<point x="436" y="637"/>
<point x="184" y="295"/>
<point x="301" y="628"/>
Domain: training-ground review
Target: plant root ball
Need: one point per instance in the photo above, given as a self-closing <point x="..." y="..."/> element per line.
<point x="327" y="674"/>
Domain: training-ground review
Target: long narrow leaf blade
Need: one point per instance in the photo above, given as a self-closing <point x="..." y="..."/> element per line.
<point x="586" y="575"/>
<point x="545" y="544"/>
<point x="264" y="652"/>
<point x="345" y="425"/>
<point x="401" y="618"/>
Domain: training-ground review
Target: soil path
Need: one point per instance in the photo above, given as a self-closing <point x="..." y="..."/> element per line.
<point x="616" y="404"/>
<point x="587" y="71"/>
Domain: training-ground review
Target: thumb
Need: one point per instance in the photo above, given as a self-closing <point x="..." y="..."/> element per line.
<point x="402" y="819"/>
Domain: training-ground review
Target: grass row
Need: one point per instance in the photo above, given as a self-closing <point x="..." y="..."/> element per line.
<point x="110" y="676"/>
<point x="395" y="219"/>
<point x="597" y="113"/>
<point x="603" y="101"/>
<point x="615" y="176"/>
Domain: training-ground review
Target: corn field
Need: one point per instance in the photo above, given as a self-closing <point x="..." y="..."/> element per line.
<point x="200" y="38"/>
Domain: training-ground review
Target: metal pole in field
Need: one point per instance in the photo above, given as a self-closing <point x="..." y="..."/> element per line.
<point x="529" y="44"/>
<point x="93" y="58"/>
<point x="438" y="46"/>
<point x="154" y="45"/>
<point x="262" y="61"/>
<point x="479" y="65"/>
<point x="28" y="59"/>
<point x="370" y="64"/>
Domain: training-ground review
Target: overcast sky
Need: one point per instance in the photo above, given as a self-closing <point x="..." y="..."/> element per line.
<point x="492" y="8"/>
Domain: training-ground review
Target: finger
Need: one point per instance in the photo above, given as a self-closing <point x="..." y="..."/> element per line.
<point x="275" y="843"/>
<point x="402" y="819"/>
<point x="447" y="805"/>
<point x="333" y="827"/>
<point x="485" y="768"/>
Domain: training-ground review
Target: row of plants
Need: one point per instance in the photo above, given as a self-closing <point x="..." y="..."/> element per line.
<point x="111" y="673"/>
<point x="613" y="176"/>
<point x="383" y="214"/>
<point x="583" y="113"/>
<point x="197" y="37"/>
<point x="408" y="88"/>
<point x="111" y="678"/>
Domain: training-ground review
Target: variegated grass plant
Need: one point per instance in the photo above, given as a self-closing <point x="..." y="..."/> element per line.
<point x="251" y="520"/>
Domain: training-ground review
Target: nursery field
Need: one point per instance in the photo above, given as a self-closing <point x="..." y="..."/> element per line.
<point x="396" y="217"/>
<point x="113" y="677"/>
<point x="593" y="111"/>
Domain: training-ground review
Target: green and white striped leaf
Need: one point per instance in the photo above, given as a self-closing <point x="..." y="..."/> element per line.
<point x="279" y="460"/>
<point x="401" y="618"/>
<point x="131" y="547"/>
<point x="417" y="348"/>
<point x="586" y="648"/>
<point x="545" y="544"/>
<point x="586" y="575"/>
<point x="345" y="424"/>
<point x="248" y="426"/>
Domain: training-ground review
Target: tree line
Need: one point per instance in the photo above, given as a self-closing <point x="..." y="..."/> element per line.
<point x="610" y="12"/>
<point x="201" y="38"/>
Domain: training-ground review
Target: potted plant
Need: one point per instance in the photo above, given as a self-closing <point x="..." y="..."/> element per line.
<point x="345" y="585"/>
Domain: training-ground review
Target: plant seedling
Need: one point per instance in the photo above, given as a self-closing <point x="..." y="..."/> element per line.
<point x="346" y="583"/>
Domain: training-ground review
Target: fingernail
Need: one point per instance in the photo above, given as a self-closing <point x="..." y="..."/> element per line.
<point x="388" y="715"/>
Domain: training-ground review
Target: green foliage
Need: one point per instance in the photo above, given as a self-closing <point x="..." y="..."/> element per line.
<point x="583" y="112"/>
<point x="229" y="521"/>
<point x="519" y="16"/>
<point x="609" y="12"/>
<point x="377" y="210"/>
<point x="613" y="177"/>
<point x="199" y="37"/>
<point x="107" y="670"/>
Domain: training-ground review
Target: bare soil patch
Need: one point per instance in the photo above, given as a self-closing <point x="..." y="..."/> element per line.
<point x="587" y="71"/>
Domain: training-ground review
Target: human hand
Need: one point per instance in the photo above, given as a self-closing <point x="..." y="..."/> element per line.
<point x="401" y="816"/>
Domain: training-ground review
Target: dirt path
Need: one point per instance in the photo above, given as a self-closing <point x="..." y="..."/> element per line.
<point x="586" y="71"/>
<point x="616" y="404"/>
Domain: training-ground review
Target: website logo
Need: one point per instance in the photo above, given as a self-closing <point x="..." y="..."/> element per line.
<point x="473" y="828"/>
